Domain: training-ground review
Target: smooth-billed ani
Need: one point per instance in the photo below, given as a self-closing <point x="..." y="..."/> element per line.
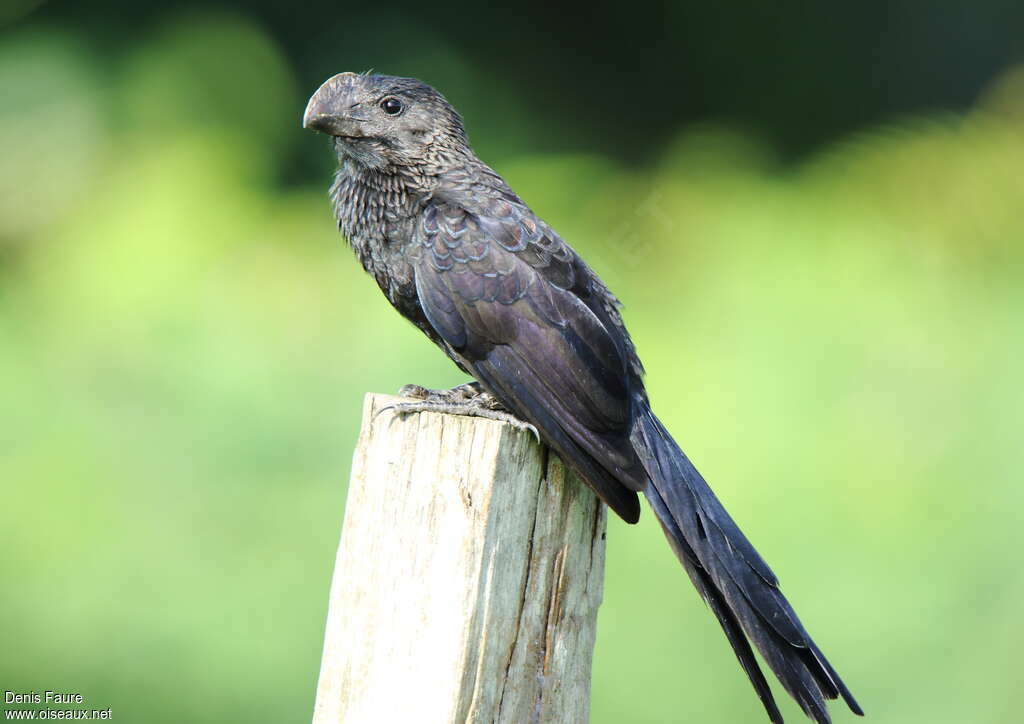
<point x="461" y="256"/>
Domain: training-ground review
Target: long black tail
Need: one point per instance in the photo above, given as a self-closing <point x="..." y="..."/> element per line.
<point x="733" y="579"/>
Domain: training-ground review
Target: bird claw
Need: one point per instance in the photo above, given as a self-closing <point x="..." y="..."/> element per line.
<point x="467" y="400"/>
<point x="414" y="391"/>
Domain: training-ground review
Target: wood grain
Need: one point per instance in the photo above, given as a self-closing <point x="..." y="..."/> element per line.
<point x="467" y="580"/>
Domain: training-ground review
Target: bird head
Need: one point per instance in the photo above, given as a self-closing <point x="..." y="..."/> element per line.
<point x="382" y="121"/>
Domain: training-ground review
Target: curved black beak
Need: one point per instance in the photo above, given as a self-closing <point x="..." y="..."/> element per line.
<point x="329" y="109"/>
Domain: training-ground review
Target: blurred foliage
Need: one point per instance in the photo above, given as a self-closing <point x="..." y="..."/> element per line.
<point x="184" y="344"/>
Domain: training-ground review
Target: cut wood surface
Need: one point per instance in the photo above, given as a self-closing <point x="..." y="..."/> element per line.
<point x="467" y="580"/>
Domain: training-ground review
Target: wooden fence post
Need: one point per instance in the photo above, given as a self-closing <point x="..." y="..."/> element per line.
<point x="467" y="580"/>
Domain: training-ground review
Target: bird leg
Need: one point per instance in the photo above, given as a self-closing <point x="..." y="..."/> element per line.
<point x="468" y="399"/>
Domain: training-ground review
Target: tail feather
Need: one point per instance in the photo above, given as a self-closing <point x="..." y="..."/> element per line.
<point x="733" y="579"/>
<point x="716" y="602"/>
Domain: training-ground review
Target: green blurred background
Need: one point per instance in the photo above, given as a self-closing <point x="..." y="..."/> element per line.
<point x="813" y="214"/>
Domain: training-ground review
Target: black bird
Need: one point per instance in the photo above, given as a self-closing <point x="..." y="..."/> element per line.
<point x="461" y="256"/>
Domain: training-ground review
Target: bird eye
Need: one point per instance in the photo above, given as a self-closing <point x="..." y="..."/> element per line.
<point x="391" y="106"/>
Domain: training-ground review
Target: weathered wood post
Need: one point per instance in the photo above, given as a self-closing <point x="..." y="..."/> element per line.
<point x="467" y="580"/>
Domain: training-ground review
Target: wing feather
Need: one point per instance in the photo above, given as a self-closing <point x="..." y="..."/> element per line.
<point x="499" y="291"/>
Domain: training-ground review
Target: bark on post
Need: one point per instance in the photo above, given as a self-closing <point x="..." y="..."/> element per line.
<point x="467" y="580"/>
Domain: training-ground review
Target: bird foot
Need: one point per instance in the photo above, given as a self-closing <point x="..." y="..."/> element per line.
<point x="469" y="400"/>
